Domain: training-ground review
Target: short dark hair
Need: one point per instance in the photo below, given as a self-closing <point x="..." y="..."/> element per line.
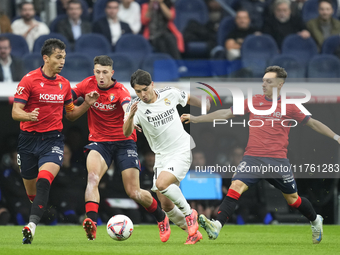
<point x="327" y="1"/>
<point x="110" y="1"/>
<point x="4" y="38"/>
<point x="50" y="45"/>
<point x="280" y="71"/>
<point x="23" y="3"/>
<point x="140" y="77"/>
<point x="103" y="60"/>
<point x="73" y="2"/>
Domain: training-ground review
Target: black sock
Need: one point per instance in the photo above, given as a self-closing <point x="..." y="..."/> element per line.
<point x="159" y="214"/>
<point x="92" y="215"/>
<point x="226" y="209"/>
<point x="40" y="201"/>
<point x="307" y="209"/>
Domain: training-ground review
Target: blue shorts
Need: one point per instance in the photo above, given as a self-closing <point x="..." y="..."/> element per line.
<point x="123" y="153"/>
<point x="277" y="171"/>
<point x="36" y="149"/>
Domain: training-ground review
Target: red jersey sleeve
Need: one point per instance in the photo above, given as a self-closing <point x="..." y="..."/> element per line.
<point x="124" y="97"/>
<point x="295" y="113"/>
<point x="78" y="90"/>
<point x="23" y="91"/>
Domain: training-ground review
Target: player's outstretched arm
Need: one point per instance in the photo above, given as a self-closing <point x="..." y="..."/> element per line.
<point x="128" y="122"/>
<point x="220" y="114"/>
<point x="322" y="129"/>
<point x="195" y="101"/>
<point x="78" y="111"/>
<point x="19" y="114"/>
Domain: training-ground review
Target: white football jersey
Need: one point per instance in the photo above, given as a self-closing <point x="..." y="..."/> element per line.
<point x="161" y="122"/>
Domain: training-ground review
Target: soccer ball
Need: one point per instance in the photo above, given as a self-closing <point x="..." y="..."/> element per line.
<point x="119" y="227"/>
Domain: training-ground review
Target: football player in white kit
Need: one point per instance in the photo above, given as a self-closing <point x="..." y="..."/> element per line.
<point x="155" y="111"/>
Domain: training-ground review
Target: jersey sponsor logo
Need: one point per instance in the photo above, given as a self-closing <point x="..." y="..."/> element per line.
<point x="51" y="98"/>
<point x="56" y="149"/>
<point x="19" y="90"/>
<point x="132" y="153"/>
<point x="42" y="84"/>
<point x="104" y="107"/>
<point x="167" y="102"/>
<point x="112" y="97"/>
<point x="162" y="118"/>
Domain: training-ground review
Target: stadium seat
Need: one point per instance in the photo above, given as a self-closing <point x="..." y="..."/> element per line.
<point x="226" y="26"/>
<point x="310" y="10"/>
<point x="77" y="67"/>
<point x="53" y="24"/>
<point x="291" y="64"/>
<point x="256" y="51"/>
<point x="123" y="65"/>
<point x="202" y="186"/>
<point x="330" y="45"/>
<point x="93" y="45"/>
<point x="161" y="67"/>
<point x="135" y="45"/>
<point x="303" y="49"/>
<point x="190" y="10"/>
<point x="39" y="42"/>
<point x="18" y="44"/>
<point x="32" y="61"/>
<point x="98" y="10"/>
<point x="324" y="66"/>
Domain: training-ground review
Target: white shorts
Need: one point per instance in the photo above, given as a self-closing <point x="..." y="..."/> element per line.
<point x="176" y="164"/>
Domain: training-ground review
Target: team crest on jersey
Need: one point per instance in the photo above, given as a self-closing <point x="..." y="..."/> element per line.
<point x="167" y="102"/>
<point x="60" y="85"/>
<point x="112" y="97"/>
<point x="19" y="90"/>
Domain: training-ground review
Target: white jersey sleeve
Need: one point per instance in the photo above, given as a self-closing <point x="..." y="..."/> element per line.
<point x="181" y="95"/>
<point x="127" y="112"/>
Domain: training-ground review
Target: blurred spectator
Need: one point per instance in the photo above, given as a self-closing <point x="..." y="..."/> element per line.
<point x="15" y="194"/>
<point x="296" y="7"/>
<point x="27" y="26"/>
<point x="73" y="26"/>
<point x="324" y="25"/>
<point x="113" y="198"/>
<point x="4" y="213"/>
<point x="67" y="191"/>
<point x="283" y="23"/>
<point x="11" y="67"/>
<point x="5" y="23"/>
<point x="206" y="207"/>
<point x="110" y="26"/>
<point x="157" y="17"/>
<point x="236" y="37"/>
<point x="256" y="10"/>
<point x="129" y="12"/>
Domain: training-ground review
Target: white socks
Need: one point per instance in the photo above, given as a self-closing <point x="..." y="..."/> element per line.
<point x="174" y="193"/>
<point x="177" y="217"/>
<point x="32" y="227"/>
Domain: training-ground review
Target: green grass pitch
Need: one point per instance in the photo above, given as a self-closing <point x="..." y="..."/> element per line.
<point x="238" y="240"/>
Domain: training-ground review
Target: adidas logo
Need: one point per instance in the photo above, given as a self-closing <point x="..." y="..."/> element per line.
<point x="147" y="111"/>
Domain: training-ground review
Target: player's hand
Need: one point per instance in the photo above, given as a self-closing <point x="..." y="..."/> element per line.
<point x="138" y="128"/>
<point x="33" y="116"/>
<point x="133" y="109"/>
<point x="187" y="118"/>
<point x="91" y="97"/>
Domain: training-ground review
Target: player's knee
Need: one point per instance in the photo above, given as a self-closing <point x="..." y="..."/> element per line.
<point x="93" y="179"/>
<point x="291" y="198"/>
<point x="161" y="184"/>
<point x="238" y="186"/>
<point x="134" y="194"/>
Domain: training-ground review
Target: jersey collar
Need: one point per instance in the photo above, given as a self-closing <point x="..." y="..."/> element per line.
<point x="268" y="99"/>
<point x="45" y="76"/>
